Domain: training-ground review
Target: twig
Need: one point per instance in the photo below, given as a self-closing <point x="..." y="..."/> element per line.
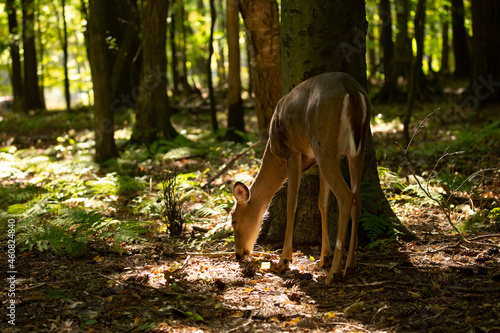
<point x="205" y="254"/>
<point x="362" y="285"/>
<point x="444" y="206"/>
<point x="229" y="164"/>
<point x="376" y="313"/>
<point x="484" y="236"/>
<point x="348" y="324"/>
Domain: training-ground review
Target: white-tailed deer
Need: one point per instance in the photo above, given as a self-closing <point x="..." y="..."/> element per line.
<point x="321" y="119"/>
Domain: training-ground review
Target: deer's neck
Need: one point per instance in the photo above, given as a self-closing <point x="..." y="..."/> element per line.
<point x="269" y="179"/>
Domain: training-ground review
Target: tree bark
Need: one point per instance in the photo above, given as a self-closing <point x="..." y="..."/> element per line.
<point x="16" y="74"/>
<point x="485" y="84"/>
<point x="213" y="111"/>
<point x="386" y="37"/>
<point x="313" y="43"/>
<point x="400" y="62"/>
<point x="67" y="95"/>
<point x="445" y="50"/>
<point x="460" y="47"/>
<point x="173" y="49"/>
<point x="235" y="115"/>
<point x="153" y="113"/>
<point x="99" y="54"/>
<point x="416" y="69"/>
<point x="262" y="29"/>
<point x="34" y="100"/>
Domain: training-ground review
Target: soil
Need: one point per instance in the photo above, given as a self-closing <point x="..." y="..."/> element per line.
<point x="437" y="284"/>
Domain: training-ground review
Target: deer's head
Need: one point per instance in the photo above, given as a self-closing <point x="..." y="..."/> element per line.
<point x="246" y="221"/>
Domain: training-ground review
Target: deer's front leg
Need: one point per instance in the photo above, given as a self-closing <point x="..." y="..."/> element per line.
<point x="294" y="170"/>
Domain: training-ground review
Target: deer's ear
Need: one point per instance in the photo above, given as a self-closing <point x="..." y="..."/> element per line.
<point x="241" y="193"/>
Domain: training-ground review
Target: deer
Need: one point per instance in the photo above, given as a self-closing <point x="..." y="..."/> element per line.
<point x="318" y="122"/>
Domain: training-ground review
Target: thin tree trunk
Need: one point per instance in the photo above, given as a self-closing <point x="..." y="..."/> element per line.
<point x="386" y="37"/>
<point x="213" y="111"/>
<point x="153" y="113"/>
<point x="16" y="74"/>
<point x="445" y="50"/>
<point x="173" y="51"/>
<point x="235" y="115"/>
<point x="485" y="85"/>
<point x="460" y="47"/>
<point x="31" y="85"/>
<point x="99" y="54"/>
<point x="67" y="94"/>
<point x="416" y="69"/>
<point x="186" y="88"/>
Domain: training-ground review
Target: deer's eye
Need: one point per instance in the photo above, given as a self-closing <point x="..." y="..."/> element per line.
<point x="234" y="223"/>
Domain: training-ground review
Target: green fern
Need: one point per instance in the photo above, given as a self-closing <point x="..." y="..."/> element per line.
<point x="73" y="230"/>
<point x="373" y="225"/>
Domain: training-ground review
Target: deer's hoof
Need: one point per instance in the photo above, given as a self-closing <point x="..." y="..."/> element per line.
<point x="326" y="261"/>
<point x="350" y="271"/>
<point x="285" y="263"/>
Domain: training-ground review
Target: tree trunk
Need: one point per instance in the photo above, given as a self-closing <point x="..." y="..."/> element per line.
<point x="313" y="43"/>
<point x="173" y="51"/>
<point x="153" y="113"/>
<point x="416" y="69"/>
<point x="400" y="62"/>
<point x="235" y="115"/>
<point x="460" y="48"/>
<point x="213" y="111"/>
<point x="33" y="95"/>
<point x="445" y="51"/>
<point x="262" y="28"/>
<point x="16" y="74"/>
<point x="486" y="76"/>
<point x="99" y="54"/>
<point x="67" y="94"/>
<point x="186" y="88"/>
<point x="124" y="64"/>
<point x="386" y="37"/>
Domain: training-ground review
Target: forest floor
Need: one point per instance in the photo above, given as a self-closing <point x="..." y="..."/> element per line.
<point x="192" y="282"/>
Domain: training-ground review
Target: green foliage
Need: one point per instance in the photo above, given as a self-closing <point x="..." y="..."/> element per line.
<point x="172" y="212"/>
<point x="476" y="222"/>
<point x="71" y="231"/>
<point x="374" y="225"/>
<point x="421" y="197"/>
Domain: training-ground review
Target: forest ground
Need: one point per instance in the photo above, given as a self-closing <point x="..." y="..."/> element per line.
<point x="192" y="282"/>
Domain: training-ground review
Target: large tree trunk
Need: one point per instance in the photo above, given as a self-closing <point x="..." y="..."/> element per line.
<point x="486" y="69"/>
<point x="460" y="47"/>
<point x="313" y="43"/>
<point x="235" y="115"/>
<point x="16" y="74"/>
<point x="153" y="113"/>
<point x="34" y="100"/>
<point x="262" y="28"/>
<point x="99" y="55"/>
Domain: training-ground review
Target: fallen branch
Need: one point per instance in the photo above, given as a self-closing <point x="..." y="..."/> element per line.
<point x="205" y="254"/>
